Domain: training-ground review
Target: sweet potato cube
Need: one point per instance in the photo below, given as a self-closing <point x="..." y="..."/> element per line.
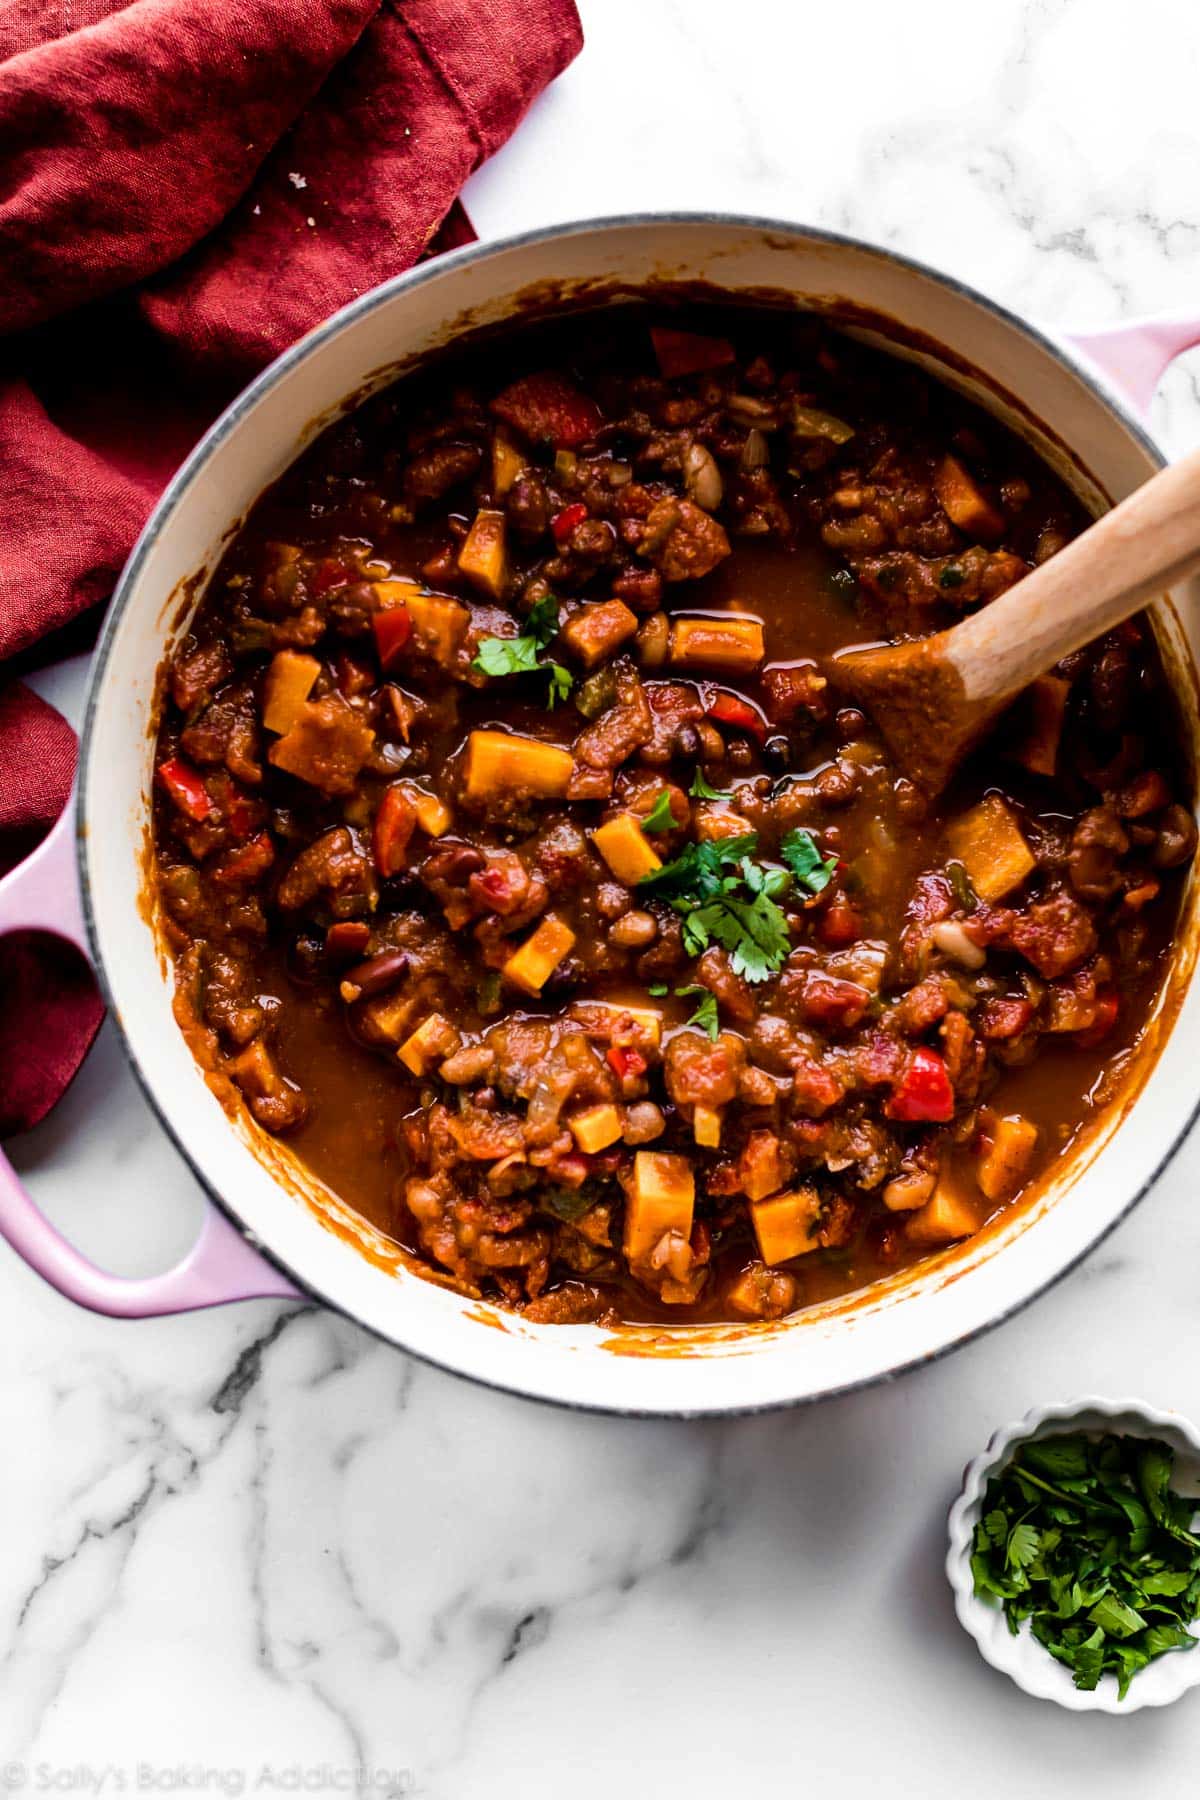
<point x="499" y="762"/>
<point x="532" y="965"/>
<point x="433" y="815"/>
<point x="988" y="842"/>
<point x="706" y="1126"/>
<point x="595" y="1128"/>
<point x="720" y="822"/>
<point x="289" y="682"/>
<point x="947" y="1216"/>
<point x="785" y="1225"/>
<point x="507" y="464"/>
<point x="1004" y="1164"/>
<point x="326" y="745"/>
<point x="661" y="1197"/>
<point x="597" y="629"/>
<point x="626" y="849"/>
<point x="439" y="623"/>
<point x="398" y="590"/>
<point x="1038" y="750"/>
<point x="760" y="1166"/>
<point x="726" y="646"/>
<point x="385" y="1018"/>
<point x="964" y="502"/>
<point x="434" y="1038"/>
<point x="483" y="559"/>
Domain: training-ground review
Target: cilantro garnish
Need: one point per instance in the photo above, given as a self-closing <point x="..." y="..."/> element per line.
<point x="802" y="854"/>
<point x="1085" y="1539"/>
<point x="658" y="989"/>
<point x="700" y="789"/>
<point x="725" y="897"/>
<point x="521" y="655"/>
<point x="660" y="817"/>
<point x="705" y="1015"/>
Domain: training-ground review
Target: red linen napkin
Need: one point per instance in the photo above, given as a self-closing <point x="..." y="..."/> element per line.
<point x="184" y="190"/>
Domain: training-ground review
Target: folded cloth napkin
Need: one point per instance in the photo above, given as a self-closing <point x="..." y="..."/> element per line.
<point x="184" y="190"/>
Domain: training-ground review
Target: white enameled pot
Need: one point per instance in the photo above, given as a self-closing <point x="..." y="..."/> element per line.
<point x="1058" y="396"/>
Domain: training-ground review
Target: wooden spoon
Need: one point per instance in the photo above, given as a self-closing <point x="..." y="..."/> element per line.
<point x="935" y="697"/>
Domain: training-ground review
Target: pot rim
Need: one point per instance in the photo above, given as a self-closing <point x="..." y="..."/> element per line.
<point x="161" y="517"/>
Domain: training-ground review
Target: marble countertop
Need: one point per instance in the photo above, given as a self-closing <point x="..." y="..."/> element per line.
<point x="256" y="1550"/>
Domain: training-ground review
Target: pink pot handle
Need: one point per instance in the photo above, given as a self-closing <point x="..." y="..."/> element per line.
<point x="43" y="895"/>
<point x="1134" y="356"/>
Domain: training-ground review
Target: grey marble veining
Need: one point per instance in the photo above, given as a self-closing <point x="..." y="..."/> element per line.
<point x="251" y="1550"/>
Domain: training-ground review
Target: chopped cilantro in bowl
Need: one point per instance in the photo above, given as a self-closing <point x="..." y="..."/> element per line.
<point x="1075" y="1555"/>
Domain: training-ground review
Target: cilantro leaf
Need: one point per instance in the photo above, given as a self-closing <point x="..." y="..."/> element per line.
<point x="521" y="655"/>
<point x="700" y="789"/>
<point x="1084" y="1540"/>
<point x="541" y="623"/>
<point x="705" y="1015"/>
<point x="658" y="989"/>
<point x="725" y="897"/>
<point x="660" y="817"/>
<point x="802" y="854"/>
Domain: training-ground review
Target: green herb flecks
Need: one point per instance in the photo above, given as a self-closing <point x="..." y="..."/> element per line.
<point x="1085" y="1538"/>
<point x="725" y="897"/>
<point x="660" y="817"/>
<point x="522" y="655"/>
<point x="960" y="882"/>
<point x="705" y="1015"/>
<point x="700" y="789"/>
<point x="802" y="854"/>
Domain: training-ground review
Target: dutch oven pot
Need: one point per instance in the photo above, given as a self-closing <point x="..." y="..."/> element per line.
<point x="1077" y="403"/>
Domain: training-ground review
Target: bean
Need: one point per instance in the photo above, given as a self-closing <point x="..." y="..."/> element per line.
<point x="643" y="1122"/>
<point x="634" y="931"/>
<point x="378" y="973"/>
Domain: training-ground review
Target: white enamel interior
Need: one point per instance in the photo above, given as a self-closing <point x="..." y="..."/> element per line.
<point x="818" y="1352"/>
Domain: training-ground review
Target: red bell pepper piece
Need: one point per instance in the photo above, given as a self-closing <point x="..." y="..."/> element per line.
<point x="731" y="709"/>
<point x="544" y="406"/>
<point x="924" y="1091"/>
<point x="563" y="523"/>
<point x="241" y="815"/>
<point x="186" y="789"/>
<point x="626" y="1062"/>
<point x="395" y="822"/>
<point x="688" y="352"/>
<point x="393" y="627"/>
<point x="1107" y="1008"/>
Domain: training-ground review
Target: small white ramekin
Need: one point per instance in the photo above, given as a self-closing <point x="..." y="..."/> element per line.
<point x="1022" y="1658"/>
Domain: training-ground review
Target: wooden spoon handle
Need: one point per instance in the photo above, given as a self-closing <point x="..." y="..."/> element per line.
<point x="1126" y="558"/>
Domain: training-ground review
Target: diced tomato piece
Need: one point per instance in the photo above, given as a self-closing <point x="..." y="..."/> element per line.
<point x="1107" y="1008"/>
<point x="688" y="352"/>
<point x="826" y="1000"/>
<point x="395" y="822"/>
<point x="247" y="863"/>
<point x="731" y="709"/>
<point x="186" y="789"/>
<point x="563" y="523"/>
<point x="626" y="1062"/>
<point x="924" y="1091"/>
<point x="393" y="628"/>
<point x="840" y="923"/>
<point x="329" y="574"/>
<point x="545" y="406"/>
